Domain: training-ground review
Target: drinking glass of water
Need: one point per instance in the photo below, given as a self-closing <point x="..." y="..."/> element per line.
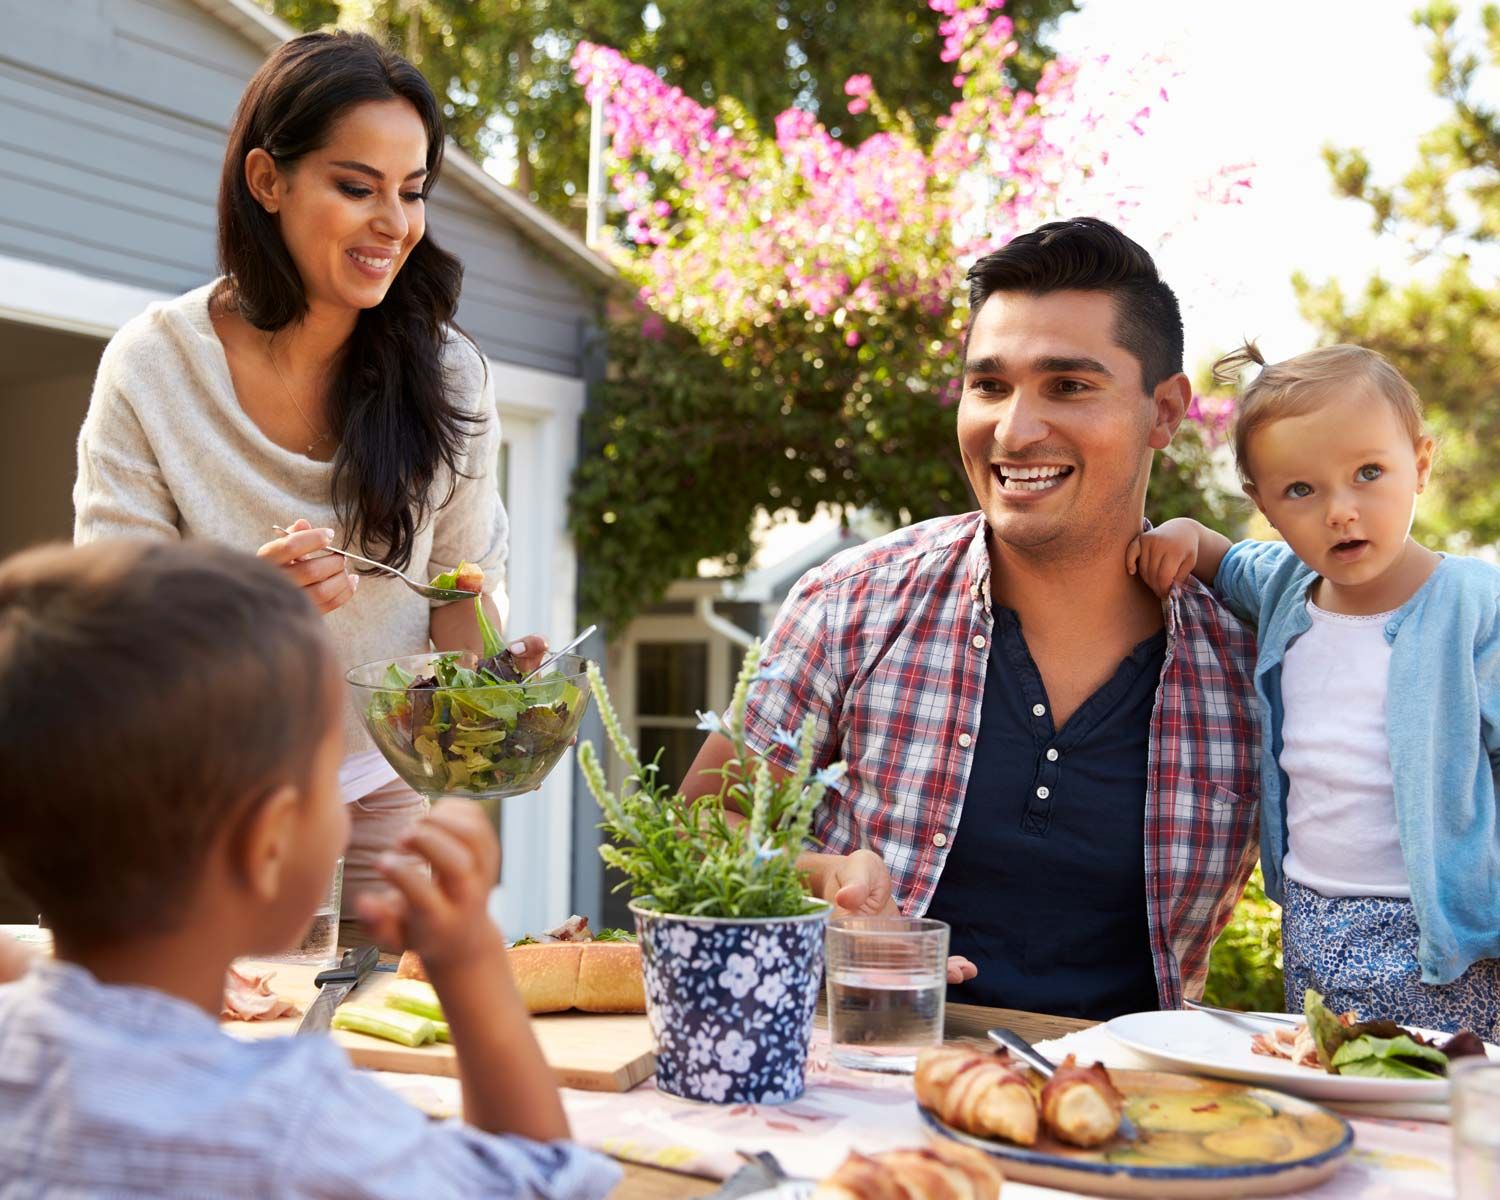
<point x="320" y="944"/>
<point x="887" y="977"/>
<point x="1475" y="1085"/>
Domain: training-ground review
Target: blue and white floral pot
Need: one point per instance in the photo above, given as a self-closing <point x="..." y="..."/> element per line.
<point x="731" y="1003"/>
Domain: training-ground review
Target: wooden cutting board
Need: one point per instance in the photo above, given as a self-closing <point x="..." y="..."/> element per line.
<point x="590" y="1051"/>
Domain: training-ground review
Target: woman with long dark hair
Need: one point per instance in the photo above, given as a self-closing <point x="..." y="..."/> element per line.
<point x="320" y="377"/>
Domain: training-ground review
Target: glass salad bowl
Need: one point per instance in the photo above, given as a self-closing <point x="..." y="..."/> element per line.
<point x="451" y="724"/>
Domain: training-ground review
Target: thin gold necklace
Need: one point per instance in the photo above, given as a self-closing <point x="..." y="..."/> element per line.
<point x="322" y="437"/>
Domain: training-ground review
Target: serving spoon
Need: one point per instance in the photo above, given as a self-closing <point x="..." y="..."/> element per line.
<point x="557" y="654"/>
<point x="422" y="589"/>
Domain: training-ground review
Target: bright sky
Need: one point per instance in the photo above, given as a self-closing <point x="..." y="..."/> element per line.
<point x="1272" y="83"/>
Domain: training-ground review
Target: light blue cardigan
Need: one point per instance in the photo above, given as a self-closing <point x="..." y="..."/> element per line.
<point x="1443" y="719"/>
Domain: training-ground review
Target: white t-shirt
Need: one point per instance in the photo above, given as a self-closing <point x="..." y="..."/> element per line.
<point x="1340" y="805"/>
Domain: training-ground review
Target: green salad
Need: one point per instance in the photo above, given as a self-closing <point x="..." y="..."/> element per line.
<point x="1380" y="1049"/>
<point x="479" y="728"/>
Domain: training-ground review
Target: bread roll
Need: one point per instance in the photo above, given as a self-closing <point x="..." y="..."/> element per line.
<point x="860" y="1178"/>
<point x="610" y="978"/>
<point x="597" y="977"/>
<point x="979" y="1093"/>
<point x="942" y="1171"/>
<point x="1081" y="1105"/>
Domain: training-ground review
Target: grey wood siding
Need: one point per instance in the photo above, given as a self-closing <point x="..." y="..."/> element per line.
<point x="113" y="115"/>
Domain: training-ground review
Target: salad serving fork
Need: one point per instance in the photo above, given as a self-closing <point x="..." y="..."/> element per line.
<point x="422" y="589"/>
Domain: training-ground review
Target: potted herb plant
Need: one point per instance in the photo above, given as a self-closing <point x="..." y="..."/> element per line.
<point x="731" y="941"/>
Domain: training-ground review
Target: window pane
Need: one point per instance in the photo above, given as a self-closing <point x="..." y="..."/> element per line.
<point x="678" y="749"/>
<point x="671" y="678"/>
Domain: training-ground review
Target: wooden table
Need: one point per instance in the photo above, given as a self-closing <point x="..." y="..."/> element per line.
<point x="959" y="1021"/>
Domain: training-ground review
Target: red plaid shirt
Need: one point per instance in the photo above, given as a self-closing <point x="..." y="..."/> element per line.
<point x="887" y="644"/>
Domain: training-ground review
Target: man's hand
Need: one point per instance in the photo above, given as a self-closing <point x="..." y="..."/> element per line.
<point x="1165" y="556"/>
<point x="444" y="918"/>
<point x="960" y="969"/>
<point x="859" y="883"/>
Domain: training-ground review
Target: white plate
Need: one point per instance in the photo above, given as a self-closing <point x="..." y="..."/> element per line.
<point x="1210" y="1045"/>
<point x="785" y="1191"/>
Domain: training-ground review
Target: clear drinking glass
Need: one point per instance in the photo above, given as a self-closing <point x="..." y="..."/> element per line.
<point x="320" y="945"/>
<point x="1476" y="1128"/>
<point x="887" y="978"/>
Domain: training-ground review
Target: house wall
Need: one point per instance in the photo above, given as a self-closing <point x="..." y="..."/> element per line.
<point x="113" y="117"/>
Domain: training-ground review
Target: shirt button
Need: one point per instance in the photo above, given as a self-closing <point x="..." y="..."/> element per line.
<point x="1042" y="793"/>
<point x="1038" y="710"/>
<point x="1391" y="628"/>
<point x="964" y="739"/>
<point x="1051" y="755"/>
<point x="939" y="840"/>
<point x="979" y="641"/>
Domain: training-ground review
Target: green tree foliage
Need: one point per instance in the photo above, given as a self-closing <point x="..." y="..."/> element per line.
<point x="1244" y="967"/>
<point x="1443" y="330"/>
<point x="503" y="65"/>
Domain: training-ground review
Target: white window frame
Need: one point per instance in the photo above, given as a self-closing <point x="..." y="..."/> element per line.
<point x="539" y="416"/>
<point x="624" y="659"/>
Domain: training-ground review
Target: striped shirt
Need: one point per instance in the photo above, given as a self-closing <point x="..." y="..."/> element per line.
<point x="886" y="646"/>
<point x="117" y="1091"/>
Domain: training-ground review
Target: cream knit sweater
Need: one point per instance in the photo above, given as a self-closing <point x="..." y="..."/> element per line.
<point x="167" y="451"/>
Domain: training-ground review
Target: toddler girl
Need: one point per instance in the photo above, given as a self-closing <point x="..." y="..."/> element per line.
<point x="1379" y="682"/>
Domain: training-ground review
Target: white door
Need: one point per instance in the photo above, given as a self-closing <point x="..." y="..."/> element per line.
<point x="539" y="428"/>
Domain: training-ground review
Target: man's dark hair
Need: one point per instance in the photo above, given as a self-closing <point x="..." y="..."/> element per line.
<point x="1085" y="254"/>
<point x="150" y="692"/>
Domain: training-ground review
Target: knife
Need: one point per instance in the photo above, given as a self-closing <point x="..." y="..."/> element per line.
<point x="336" y="983"/>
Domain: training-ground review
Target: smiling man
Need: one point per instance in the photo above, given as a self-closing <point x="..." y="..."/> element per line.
<point x="1041" y="753"/>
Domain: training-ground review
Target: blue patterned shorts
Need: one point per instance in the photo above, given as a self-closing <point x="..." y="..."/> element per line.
<point x="1360" y="952"/>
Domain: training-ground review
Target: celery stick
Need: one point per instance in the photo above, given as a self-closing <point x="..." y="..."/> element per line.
<point x="391" y="1024"/>
<point x="441" y="1029"/>
<point x="414" y="996"/>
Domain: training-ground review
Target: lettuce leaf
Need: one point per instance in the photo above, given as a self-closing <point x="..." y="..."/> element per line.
<point x="1329" y="1033"/>
<point x="492" y="644"/>
<point x="1390" y="1058"/>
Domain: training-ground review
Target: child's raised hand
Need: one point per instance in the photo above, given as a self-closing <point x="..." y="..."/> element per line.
<point x="443" y="918"/>
<point x="15" y="959"/>
<point x="1165" y="556"/>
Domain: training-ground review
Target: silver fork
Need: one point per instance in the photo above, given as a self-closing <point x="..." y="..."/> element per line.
<point x="1257" y="1020"/>
<point x="422" y="589"/>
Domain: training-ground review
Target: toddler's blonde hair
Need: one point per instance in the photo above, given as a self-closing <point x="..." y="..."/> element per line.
<point x="1299" y="384"/>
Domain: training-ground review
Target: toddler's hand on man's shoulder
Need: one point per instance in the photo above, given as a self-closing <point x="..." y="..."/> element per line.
<point x="1165" y="556"/>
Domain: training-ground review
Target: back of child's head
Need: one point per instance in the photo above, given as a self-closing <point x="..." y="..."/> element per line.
<point x="150" y="694"/>
<point x="1299" y="385"/>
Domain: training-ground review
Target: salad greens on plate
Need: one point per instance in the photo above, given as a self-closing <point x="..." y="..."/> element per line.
<point x="1380" y="1049"/>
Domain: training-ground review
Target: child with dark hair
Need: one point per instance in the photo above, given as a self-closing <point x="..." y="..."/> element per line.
<point x="169" y="751"/>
